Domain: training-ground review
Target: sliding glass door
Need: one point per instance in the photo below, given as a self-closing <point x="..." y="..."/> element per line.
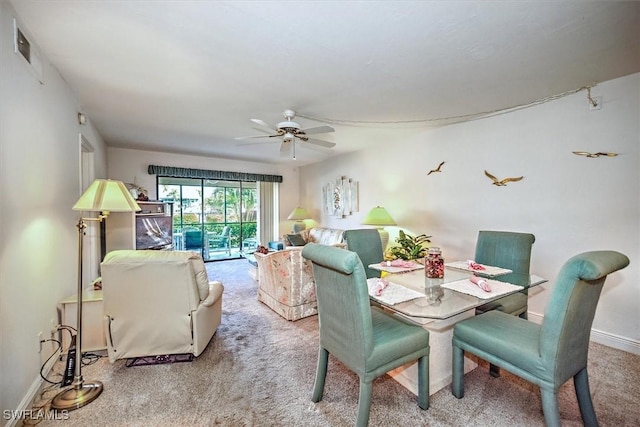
<point x="213" y="217"/>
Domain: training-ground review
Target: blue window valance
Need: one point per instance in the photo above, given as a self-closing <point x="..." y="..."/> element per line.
<point x="176" y="172"/>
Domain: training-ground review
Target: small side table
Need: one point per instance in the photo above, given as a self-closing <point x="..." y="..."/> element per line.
<point x="92" y="314"/>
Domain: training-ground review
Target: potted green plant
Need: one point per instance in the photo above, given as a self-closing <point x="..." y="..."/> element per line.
<point x="410" y="247"/>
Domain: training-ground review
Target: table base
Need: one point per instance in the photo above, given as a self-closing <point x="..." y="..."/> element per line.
<point x="440" y="357"/>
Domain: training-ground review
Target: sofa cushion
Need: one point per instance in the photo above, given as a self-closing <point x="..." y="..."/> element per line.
<point x="325" y="236"/>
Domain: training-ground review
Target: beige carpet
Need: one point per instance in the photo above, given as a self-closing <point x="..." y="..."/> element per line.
<point x="259" y="369"/>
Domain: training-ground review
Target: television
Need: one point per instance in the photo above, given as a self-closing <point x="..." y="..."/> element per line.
<point x="154" y="232"/>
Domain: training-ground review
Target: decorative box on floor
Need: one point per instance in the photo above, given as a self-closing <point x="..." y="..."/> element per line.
<point x="253" y="267"/>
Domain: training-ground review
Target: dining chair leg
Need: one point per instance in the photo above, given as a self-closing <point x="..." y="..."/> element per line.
<point x="364" y="403"/>
<point x="423" y="382"/>
<point x="457" y="383"/>
<point x="550" y="407"/>
<point x="321" y="374"/>
<point x="581" y="384"/>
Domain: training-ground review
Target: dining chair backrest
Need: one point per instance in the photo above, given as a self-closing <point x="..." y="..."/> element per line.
<point x="549" y="354"/>
<point x="564" y="336"/>
<point x="506" y="249"/>
<point x="344" y="313"/>
<point x="367" y="244"/>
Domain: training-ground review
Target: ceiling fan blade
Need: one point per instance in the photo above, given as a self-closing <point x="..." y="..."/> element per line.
<point x="258" y="143"/>
<point x="265" y="124"/>
<point x="255" y="136"/>
<point x="318" y="142"/>
<point x="319" y="129"/>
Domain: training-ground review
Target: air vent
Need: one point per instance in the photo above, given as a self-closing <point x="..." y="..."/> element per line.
<point x="24" y="48"/>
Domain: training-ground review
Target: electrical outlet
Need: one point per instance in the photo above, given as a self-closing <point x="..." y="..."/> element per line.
<point x="40" y="342"/>
<point x="596" y="104"/>
<point x="54" y="327"/>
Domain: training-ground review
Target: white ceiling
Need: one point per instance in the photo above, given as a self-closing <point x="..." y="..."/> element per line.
<point x="187" y="76"/>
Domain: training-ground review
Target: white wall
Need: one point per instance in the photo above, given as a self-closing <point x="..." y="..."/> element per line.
<point x="128" y="165"/>
<point x="40" y="179"/>
<point x="571" y="203"/>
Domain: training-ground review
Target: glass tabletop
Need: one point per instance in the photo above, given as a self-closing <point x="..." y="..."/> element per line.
<point x="441" y="303"/>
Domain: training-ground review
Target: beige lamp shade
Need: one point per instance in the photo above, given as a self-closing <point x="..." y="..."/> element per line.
<point x="379" y="217"/>
<point x="107" y="196"/>
<point x="298" y="214"/>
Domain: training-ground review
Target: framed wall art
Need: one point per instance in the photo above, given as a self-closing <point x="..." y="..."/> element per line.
<point x="340" y="197"/>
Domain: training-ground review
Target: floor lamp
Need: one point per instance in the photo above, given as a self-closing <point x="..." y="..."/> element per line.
<point x="102" y="196"/>
<point x="379" y="217"/>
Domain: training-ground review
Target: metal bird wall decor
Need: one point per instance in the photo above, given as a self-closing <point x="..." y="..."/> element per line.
<point x="598" y="154"/>
<point x="502" y="183"/>
<point x="436" y="169"/>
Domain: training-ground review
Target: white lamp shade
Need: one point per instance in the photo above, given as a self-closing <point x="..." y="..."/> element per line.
<point x="108" y="196"/>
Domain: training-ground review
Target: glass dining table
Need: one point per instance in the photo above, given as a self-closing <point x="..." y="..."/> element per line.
<point x="437" y="302"/>
<point x="437" y="310"/>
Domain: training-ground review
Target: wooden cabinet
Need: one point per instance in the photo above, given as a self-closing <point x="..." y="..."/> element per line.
<point x="150" y="228"/>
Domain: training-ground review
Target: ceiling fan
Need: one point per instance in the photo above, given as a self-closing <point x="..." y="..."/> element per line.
<point x="290" y="132"/>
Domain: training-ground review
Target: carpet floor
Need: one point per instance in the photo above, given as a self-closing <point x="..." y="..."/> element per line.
<point x="258" y="370"/>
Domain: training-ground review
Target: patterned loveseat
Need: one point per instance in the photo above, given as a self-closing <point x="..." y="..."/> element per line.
<point x="285" y="278"/>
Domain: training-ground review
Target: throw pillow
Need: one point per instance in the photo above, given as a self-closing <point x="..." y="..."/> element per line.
<point x="296" y="240"/>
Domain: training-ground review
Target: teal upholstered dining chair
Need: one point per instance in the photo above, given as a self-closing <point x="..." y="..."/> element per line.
<point x="510" y="250"/>
<point x="550" y="354"/>
<point x="367" y="340"/>
<point x="367" y="244"/>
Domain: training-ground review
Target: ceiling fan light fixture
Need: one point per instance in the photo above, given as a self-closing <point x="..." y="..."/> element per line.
<point x="288" y="137"/>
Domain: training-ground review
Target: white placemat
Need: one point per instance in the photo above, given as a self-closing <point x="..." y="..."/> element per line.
<point x="497" y="288"/>
<point x="488" y="269"/>
<point x="393" y="293"/>
<point x="392" y="269"/>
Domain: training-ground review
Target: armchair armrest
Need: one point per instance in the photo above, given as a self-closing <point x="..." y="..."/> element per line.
<point x="215" y="292"/>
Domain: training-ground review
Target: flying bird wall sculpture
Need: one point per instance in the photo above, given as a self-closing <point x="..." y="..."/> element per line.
<point x="592" y="155"/>
<point x="503" y="182"/>
<point x="436" y="169"/>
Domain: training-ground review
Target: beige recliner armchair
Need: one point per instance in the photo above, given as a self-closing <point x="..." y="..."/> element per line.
<point x="158" y="303"/>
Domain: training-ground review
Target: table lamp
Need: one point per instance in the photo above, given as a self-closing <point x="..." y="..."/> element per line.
<point x="102" y="196"/>
<point x="379" y="217"/>
<point x="299" y="214"/>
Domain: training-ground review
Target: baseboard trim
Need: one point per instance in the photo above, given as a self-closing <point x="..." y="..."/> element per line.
<point x="27" y="401"/>
<point x="601" y="337"/>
